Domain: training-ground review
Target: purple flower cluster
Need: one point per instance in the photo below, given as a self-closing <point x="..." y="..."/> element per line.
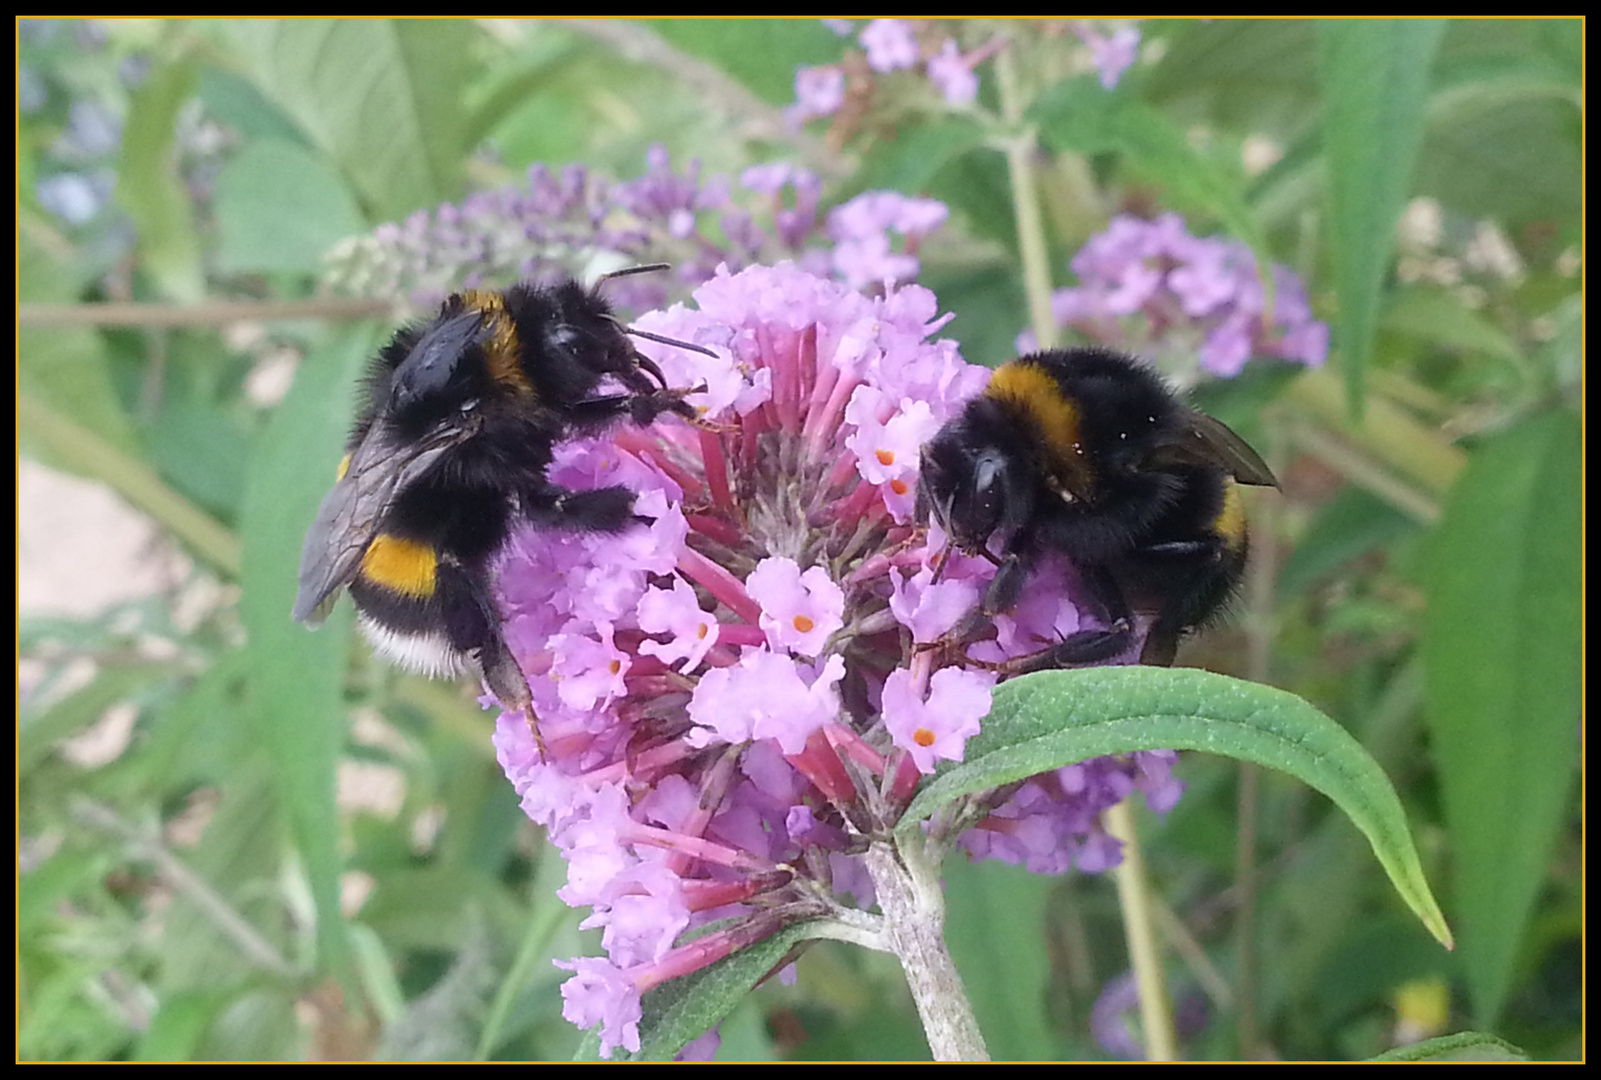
<point x="891" y="45"/>
<point x="576" y="224"/>
<point x="1152" y="287"/>
<point x="733" y="696"/>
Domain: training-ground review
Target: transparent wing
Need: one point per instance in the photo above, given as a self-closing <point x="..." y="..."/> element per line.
<point x="352" y="512"/>
<point x="1205" y="440"/>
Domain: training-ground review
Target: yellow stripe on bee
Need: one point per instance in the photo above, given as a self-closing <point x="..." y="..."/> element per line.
<point x="1034" y="392"/>
<point x="344" y="467"/>
<point x="402" y="566"/>
<point x="503" y="356"/>
<point x="1230" y="523"/>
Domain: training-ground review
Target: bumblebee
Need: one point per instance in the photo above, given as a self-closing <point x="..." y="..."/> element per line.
<point x="449" y="452"/>
<point x="1087" y="453"/>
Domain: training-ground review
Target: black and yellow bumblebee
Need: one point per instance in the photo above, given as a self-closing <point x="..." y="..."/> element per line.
<point x="1088" y="453"/>
<point x="449" y="452"/>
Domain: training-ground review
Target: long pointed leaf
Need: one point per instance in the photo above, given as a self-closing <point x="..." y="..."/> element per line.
<point x="1056" y="718"/>
<point x="1375" y="75"/>
<point x="297" y="678"/>
<point x="1503" y="655"/>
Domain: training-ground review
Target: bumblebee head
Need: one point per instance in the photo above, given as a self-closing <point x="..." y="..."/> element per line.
<point x="973" y="490"/>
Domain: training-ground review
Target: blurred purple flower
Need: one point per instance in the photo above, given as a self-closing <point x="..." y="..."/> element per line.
<point x="576" y="224"/>
<point x="1150" y="285"/>
<point x="953" y="75"/>
<point x="890" y="45"/>
<point x="819" y="91"/>
<point x="1112" y="55"/>
<point x="1111" y="1018"/>
<point x="863" y="253"/>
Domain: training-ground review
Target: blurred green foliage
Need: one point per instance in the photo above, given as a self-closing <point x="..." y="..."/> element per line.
<point x="203" y="894"/>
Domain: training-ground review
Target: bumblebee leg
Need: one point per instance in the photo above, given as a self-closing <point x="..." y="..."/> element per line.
<point x="1006" y="587"/>
<point x="1196" y="576"/>
<point x="1075" y="650"/>
<point x="602" y="510"/>
<point x="1099" y="594"/>
<point x="473" y="626"/>
<point x="642" y="408"/>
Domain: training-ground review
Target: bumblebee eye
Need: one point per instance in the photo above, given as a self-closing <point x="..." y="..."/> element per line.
<point x="985" y="470"/>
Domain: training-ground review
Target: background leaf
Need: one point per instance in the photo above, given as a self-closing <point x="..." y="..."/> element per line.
<point x="297" y="677"/>
<point x="995" y="916"/>
<point x="1375" y="84"/>
<point x="148" y="185"/>
<point x="281" y="207"/>
<point x="1502" y="646"/>
<point x="381" y="98"/>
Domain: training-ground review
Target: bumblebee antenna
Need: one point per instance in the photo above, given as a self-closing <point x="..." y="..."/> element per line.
<point x="627" y="271"/>
<point x="644" y="361"/>
<point x="648" y="336"/>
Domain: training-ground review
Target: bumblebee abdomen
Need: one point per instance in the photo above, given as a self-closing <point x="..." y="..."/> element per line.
<point x="400" y="566"/>
<point x="419" y="607"/>
<point x="1230" y="520"/>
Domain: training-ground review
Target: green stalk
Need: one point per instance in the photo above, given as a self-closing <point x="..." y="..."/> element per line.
<point x="1139" y="925"/>
<point x="1020" y="146"/>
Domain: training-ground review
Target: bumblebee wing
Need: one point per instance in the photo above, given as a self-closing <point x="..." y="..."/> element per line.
<point x="352" y="512"/>
<point x="1205" y="440"/>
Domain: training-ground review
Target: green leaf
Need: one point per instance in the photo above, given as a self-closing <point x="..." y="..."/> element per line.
<point x="63" y="367"/>
<point x="80" y="449"/>
<point x="178" y="1026"/>
<point x="296" y="677"/>
<point x="1246" y="74"/>
<point x="1503" y="653"/>
<point x="1056" y="718"/>
<point x="1375" y="75"/>
<point x="149" y="187"/>
<point x="381" y="98"/>
<point x="909" y="162"/>
<point x="201" y="450"/>
<point x="1080" y="117"/>
<point x="1463" y="1046"/>
<point x="1442" y="319"/>
<point x="994" y="926"/>
<point x="684" y="1009"/>
<point x="1505" y="122"/>
<point x="37" y="735"/>
<point x="281" y="206"/>
<point x="1348" y="526"/>
<point x="761" y="53"/>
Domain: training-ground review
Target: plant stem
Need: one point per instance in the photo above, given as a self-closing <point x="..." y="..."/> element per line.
<point x="914" y="916"/>
<point x="211" y="904"/>
<point x="1134" y="897"/>
<point x="1020" y="146"/>
<point x="209" y="313"/>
